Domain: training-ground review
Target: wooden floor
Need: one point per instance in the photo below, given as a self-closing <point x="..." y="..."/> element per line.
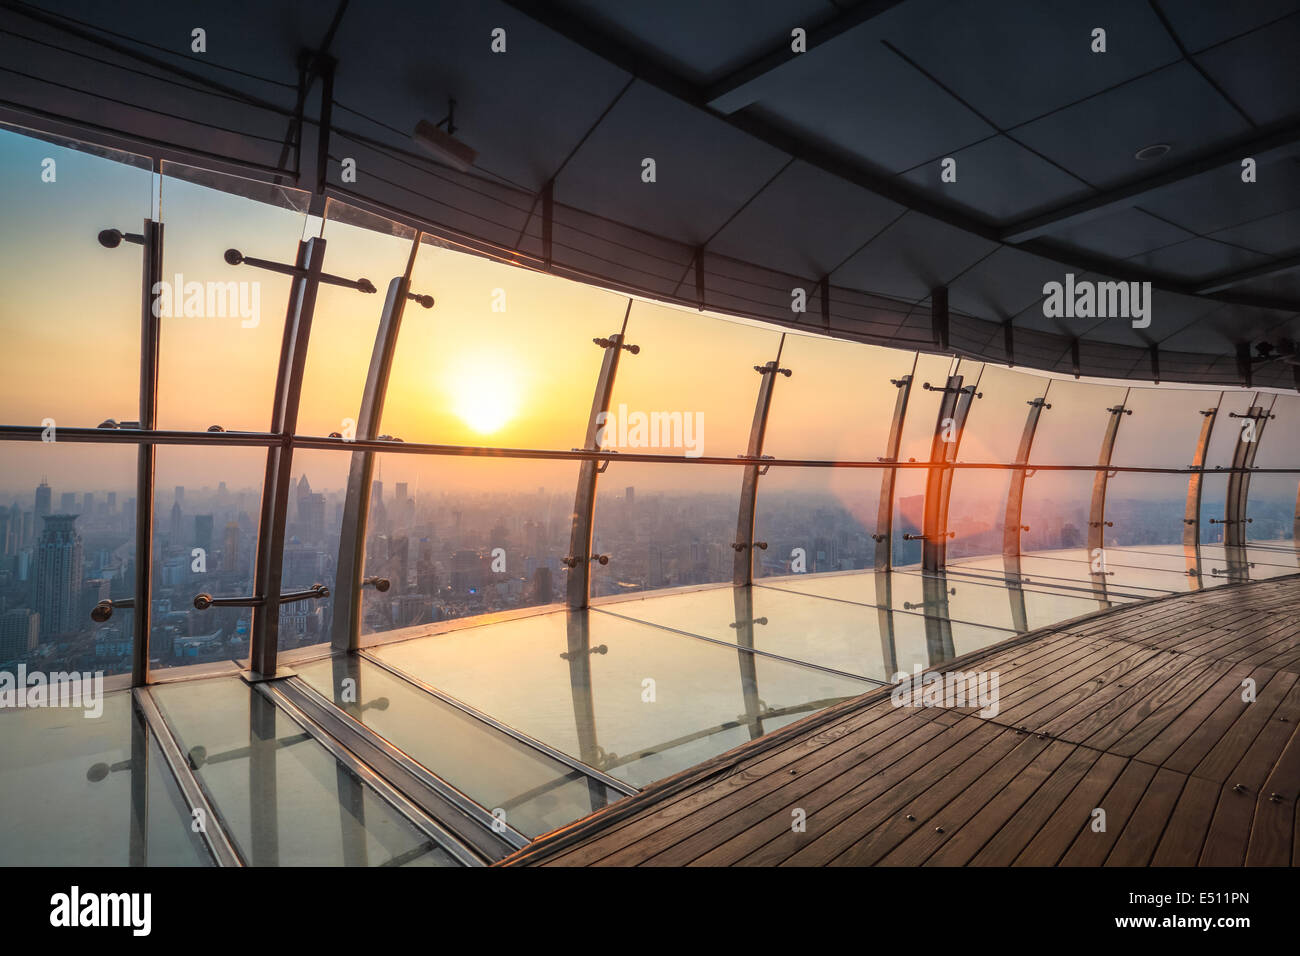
<point x="1138" y="712"/>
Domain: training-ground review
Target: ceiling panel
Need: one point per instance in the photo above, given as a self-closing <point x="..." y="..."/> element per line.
<point x="805" y="222"/>
<point x="1248" y="69"/>
<point x="1017" y="59"/>
<point x="1198" y="259"/>
<point x="1200" y="24"/>
<point x="1121" y="234"/>
<point x="703" y="41"/>
<point x="1005" y="284"/>
<point x="843" y="95"/>
<point x="705" y="171"/>
<point x="1000" y="180"/>
<point x="911" y="257"/>
<point x="1218" y="199"/>
<point x="1276" y="235"/>
<point x="1096" y="139"/>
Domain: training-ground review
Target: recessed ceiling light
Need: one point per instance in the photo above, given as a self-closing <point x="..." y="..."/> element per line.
<point x="1154" y="151"/>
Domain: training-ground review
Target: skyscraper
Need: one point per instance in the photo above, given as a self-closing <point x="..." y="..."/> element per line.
<point x="44" y="498"/>
<point x="58" y="576"/>
<point x="203" y="532"/>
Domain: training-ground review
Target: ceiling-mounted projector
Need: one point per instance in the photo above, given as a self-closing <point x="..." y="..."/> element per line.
<point x="442" y="145"/>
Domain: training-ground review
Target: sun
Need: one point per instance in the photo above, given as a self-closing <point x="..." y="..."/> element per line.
<point x="485" y="393"/>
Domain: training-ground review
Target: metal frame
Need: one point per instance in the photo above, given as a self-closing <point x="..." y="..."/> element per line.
<point x="884" y="536"/>
<point x="265" y="633"/>
<point x="934" y="549"/>
<point x="1097" y="513"/>
<point x="1195" y="491"/>
<point x="145" y="454"/>
<point x="345" y="627"/>
<point x="1013" y="525"/>
<point x="742" y="573"/>
<point x="1235" y="518"/>
<point x="578" y="561"/>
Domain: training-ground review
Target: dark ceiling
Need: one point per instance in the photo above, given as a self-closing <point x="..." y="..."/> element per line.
<point x="774" y="169"/>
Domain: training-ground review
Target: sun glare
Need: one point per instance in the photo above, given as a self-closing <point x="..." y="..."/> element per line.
<point x="485" y="394"/>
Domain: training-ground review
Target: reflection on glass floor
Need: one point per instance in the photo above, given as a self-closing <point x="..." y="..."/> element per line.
<point x="77" y="791"/>
<point x="282" y="797"/>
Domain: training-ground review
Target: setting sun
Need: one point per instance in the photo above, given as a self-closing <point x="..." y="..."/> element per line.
<point x="485" y="393"/>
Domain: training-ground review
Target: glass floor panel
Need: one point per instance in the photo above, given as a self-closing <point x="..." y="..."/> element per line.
<point x="284" y="799"/>
<point x="1073" y="567"/>
<point x="977" y="605"/>
<point x="635" y="701"/>
<point x="66" y="791"/>
<point x="808" y="628"/>
<point x="537" y="792"/>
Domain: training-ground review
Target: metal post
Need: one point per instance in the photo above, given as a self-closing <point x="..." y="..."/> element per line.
<point x="324" y="65"/>
<point x="965" y="397"/>
<point x="939" y="316"/>
<point x="939" y="646"/>
<point x="139" y="826"/>
<point x="578" y="589"/>
<point x="884" y="536"/>
<point x="744" y="625"/>
<point x="1012" y="527"/>
<point x="145" y="454"/>
<point x="1195" y="489"/>
<point x="279" y="459"/>
<point x="345" y="628"/>
<point x="885" y="620"/>
<point x="933" y="536"/>
<point x="578" y="632"/>
<point x="1235" y="518"/>
<point x="743" y="566"/>
<point x="1097" y="523"/>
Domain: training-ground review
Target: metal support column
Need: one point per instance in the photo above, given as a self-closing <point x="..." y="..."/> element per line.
<point x="345" y="628"/>
<point x="744" y="545"/>
<point x="884" y="536"/>
<point x="743" y="599"/>
<point x="1012" y="525"/>
<point x="966" y="395"/>
<point x="264" y="642"/>
<point x="933" y="536"/>
<point x="578" y="655"/>
<point x="145" y="455"/>
<point x="578" y="561"/>
<point x="1195" y="489"/>
<point x="1235" y="518"/>
<point x="1097" y="523"/>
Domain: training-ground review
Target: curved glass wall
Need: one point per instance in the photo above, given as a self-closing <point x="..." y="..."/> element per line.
<point x="715" y="601"/>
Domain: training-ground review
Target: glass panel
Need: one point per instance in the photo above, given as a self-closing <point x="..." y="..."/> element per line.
<point x="455" y="537"/>
<point x="1274" y="504"/>
<point x="1228" y="427"/>
<point x="837" y="405"/>
<point x="206" y="508"/>
<point x="221" y="333"/>
<point x="64" y="547"/>
<point x="311" y="544"/>
<point x="816" y="519"/>
<point x="1071" y="431"/>
<point x="579" y="683"/>
<point x="997" y="419"/>
<point x="696" y="365"/>
<point x="345" y="320"/>
<point x="66" y="790"/>
<point x="71" y="308"/>
<point x="918" y="435"/>
<point x="1164" y="428"/>
<point x="664" y="525"/>
<point x="504" y="358"/>
<point x="538" y="793"/>
<point x="283" y="799"/>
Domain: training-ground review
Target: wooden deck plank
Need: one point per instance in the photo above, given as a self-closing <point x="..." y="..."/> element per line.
<point x="1138" y="712"/>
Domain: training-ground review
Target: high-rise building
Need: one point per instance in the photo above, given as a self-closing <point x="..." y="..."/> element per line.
<point x="88" y="503"/>
<point x="20" y="631"/>
<point x="58" y="576"/>
<point x="68" y="502"/>
<point x="177" y="532"/>
<point x="44" y="499"/>
<point x="230" y="548"/>
<point x="203" y="532"/>
<point x="112" y="503"/>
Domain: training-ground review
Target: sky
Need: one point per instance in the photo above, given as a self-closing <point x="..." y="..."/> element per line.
<point x="505" y="358"/>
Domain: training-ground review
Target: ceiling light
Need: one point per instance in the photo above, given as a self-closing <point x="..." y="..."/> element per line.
<point x="1154" y="151"/>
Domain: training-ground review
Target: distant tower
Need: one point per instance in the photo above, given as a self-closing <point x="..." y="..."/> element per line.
<point x="203" y="532"/>
<point x="230" y="548"/>
<point x="44" y="499"/>
<point x="58" y="575"/>
<point x="177" y="534"/>
<point x="631" y="495"/>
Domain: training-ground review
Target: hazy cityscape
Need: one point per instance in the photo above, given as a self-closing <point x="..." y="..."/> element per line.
<point x="454" y="554"/>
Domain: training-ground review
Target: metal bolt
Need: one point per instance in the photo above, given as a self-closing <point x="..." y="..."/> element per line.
<point x="910" y="817"/>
